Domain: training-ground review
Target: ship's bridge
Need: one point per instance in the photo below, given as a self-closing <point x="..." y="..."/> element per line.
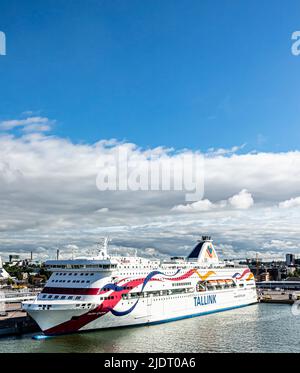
<point x="85" y="264"/>
<point x="100" y="262"/>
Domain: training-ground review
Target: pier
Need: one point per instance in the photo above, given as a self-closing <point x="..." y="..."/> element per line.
<point x="17" y="323"/>
<point x="14" y="321"/>
<point x="283" y="297"/>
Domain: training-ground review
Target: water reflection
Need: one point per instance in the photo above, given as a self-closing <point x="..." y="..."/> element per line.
<point x="258" y="328"/>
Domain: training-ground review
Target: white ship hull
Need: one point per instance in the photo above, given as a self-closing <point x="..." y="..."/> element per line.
<point x="88" y="294"/>
<point x="144" y="313"/>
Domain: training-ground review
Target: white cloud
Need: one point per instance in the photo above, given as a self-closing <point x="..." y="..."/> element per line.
<point x="290" y="203"/>
<point x="36" y="128"/>
<point x="203" y="205"/>
<point x="30" y="124"/>
<point x="103" y="209"/>
<point x="222" y="151"/>
<point x="49" y="199"/>
<point x="264" y="174"/>
<point x="242" y="200"/>
<point x="281" y="244"/>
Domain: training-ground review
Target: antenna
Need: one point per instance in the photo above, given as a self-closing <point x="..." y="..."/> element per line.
<point x="257" y="265"/>
<point x="102" y="247"/>
<point x="206" y="238"/>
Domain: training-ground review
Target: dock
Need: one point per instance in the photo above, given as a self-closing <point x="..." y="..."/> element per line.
<point x="17" y="323"/>
<point x="279" y="297"/>
<point x="13" y="320"/>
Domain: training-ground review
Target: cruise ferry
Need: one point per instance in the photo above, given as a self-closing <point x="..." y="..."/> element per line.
<point x="89" y="293"/>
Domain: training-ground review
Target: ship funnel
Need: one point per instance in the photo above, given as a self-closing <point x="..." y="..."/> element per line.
<point x="204" y="252"/>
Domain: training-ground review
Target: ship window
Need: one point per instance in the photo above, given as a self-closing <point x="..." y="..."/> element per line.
<point x="63" y="297"/>
<point x="44" y="296"/>
<point x="86" y="274"/>
<point x="76" y="298"/>
<point x="82" y="281"/>
<point x="56" y="297"/>
<point x="70" y="297"/>
<point x="70" y="274"/>
<point x="81" y="274"/>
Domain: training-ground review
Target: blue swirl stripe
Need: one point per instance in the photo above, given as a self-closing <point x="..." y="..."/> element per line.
<point x="147" y="279"/>
<point x="114" y="287"/>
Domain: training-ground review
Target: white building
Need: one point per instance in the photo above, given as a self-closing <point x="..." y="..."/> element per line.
<point x="3" y="274"/>
<point x="290" y="259"/>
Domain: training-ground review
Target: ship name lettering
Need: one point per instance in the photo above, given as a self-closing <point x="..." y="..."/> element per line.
<point x="203" y="300"/>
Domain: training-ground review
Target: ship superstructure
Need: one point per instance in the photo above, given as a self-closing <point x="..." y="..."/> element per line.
<point x="113" y="291"/>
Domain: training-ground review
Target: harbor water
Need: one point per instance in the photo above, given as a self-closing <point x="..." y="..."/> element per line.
<point x="257" y="328"/>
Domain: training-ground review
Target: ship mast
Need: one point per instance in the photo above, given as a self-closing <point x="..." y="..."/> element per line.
<point x="102" y="248"/>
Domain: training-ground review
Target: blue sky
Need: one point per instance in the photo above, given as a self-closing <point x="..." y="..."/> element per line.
<point x="170" y="74"/>
<point x="195" y="74"/>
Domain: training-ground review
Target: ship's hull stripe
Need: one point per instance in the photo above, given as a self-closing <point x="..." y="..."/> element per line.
<point x="74" y="291"/>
